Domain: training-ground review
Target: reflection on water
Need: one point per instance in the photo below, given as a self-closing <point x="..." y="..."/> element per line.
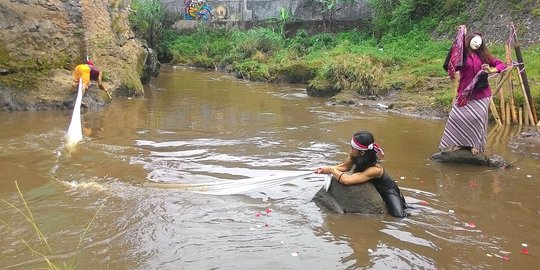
<point x="203" y="127"/>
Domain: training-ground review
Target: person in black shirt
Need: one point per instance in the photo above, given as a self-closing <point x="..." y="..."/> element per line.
<point x="364" y="156"/>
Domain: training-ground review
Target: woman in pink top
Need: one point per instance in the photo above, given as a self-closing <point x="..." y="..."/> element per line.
<point x="467" y="122"/>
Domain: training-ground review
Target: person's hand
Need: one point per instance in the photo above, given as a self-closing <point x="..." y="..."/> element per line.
<point x="487" y="69"/>
<point x="322" y="170"/>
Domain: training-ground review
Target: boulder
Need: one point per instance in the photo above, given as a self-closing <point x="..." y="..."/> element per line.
<point x="361" y="198"/>
<point x="466" y="157"/>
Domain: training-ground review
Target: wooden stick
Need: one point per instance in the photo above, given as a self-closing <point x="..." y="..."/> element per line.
<point x="512" y="101"/>
<point x="527" y="106"/>
<point x="504" y="78"/>
<point x="510" y="84"/>
<point x="520" y="118"/>
<point x="494" y="112"/>
<point x="507" y="120"/>
<point x="523" y="76"/>
<point x="501" y="105"/>
<point x="526" y="117"/>
<point x="501" y="96"/>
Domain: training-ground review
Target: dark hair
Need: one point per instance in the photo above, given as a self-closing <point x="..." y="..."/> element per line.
<point x="370" y="156"/>
<point x="483" y="51"/>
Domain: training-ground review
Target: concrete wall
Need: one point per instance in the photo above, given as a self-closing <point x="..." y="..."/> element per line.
<point x="256" y="10"/>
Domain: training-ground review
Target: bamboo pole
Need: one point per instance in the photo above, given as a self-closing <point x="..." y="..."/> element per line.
<point x="528" y="114"/>
<point x="507" y="120"/>
<point x="520" y="118"/>
<point x="512" y="101"/>
<point x="494" y="112"/>
<point x="505" y="77"/>
<point x="523" y="76"/>
<point x="510" y="84"/>
<point x="501" y="97"/>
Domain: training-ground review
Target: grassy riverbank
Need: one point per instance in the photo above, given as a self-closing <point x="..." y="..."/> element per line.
<point x="406" y="69"/>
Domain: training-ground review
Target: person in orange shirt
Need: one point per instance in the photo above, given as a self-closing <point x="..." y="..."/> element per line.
<point x="88" y="72"/>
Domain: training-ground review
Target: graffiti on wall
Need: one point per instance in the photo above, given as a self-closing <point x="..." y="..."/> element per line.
<point x="197" y="10"/>
<point x="221" y="12"/>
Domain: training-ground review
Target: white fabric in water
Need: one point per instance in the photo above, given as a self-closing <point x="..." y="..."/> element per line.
<point x="230" y="187"/>
<point x="327" y="182"/>
<point x="74" y="133"/>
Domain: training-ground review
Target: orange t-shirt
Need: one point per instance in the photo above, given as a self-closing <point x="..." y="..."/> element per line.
<point x="82" y="71"/>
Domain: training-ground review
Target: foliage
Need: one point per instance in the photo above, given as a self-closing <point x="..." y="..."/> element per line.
<point x="284" y="17"/>
<point x="327" y="9"/>
<point x="258" y="40"/>
<point x="341" y="61"/>
<point x="402" y="16"/>
<point x="45" y="251"/>
<point x="149" y="20"/>
<point x="252" y="70"/>
<point x="347" y="72"/>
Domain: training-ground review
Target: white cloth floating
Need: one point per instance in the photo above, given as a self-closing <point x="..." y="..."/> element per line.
<point x="327" y="182"/>
<point x="74" y="133"/>
<point x="240" y="186"/>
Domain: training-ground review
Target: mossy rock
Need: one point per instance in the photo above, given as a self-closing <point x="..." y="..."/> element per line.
<point x="346" y="98"/>
<point x="296" y="73"/>
<point x="321" y="88"/>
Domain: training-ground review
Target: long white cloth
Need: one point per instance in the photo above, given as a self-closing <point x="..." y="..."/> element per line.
<point x="74" y="132"/>
<point x="240" y="186"/>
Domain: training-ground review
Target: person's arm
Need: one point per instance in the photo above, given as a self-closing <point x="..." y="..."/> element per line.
<point x="495" y="66"/>
<point x="337" y="170"/>
<point x="360" y="177"/>
<point x="100" y="83"/>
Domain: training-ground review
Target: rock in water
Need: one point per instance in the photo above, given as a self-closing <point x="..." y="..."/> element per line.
<point x="361" y="198"/>
<point x="466" y="157"/>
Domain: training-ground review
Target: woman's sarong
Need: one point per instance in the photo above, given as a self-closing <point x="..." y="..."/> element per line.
<point x="467" y="125"/>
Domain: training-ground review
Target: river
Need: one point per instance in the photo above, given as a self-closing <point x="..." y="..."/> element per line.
<point x="197" y="127"/>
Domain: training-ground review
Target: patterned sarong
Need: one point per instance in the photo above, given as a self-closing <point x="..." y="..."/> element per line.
<point x="455" y="60"/>
<point x="467" y="125"/>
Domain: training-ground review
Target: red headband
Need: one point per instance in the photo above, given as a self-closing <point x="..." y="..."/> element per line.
<point x="373" y="146"/>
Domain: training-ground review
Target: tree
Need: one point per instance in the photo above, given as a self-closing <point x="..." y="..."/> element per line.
<point x="328" y="7"/>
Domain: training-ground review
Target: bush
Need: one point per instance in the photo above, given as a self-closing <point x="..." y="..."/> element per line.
<point x="361" y="74"/>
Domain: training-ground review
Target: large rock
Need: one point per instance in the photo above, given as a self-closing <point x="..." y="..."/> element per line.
<point x="42" y="41"/>
<point x="360" y="198"/>
<point x="465" y="156"/>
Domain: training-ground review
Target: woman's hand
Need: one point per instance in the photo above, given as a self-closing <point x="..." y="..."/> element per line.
<point x="489" y="69"/>
<point x="323" y="170"/>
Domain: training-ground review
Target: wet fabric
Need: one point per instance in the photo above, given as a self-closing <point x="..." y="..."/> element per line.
<point x="385" y="182"/>
<point x="467" y="125"/>
<point x="391" y="195"/>
<point x="394" y="201"/>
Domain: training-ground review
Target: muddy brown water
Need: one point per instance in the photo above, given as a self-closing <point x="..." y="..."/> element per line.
<point x="196" y="126"/>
